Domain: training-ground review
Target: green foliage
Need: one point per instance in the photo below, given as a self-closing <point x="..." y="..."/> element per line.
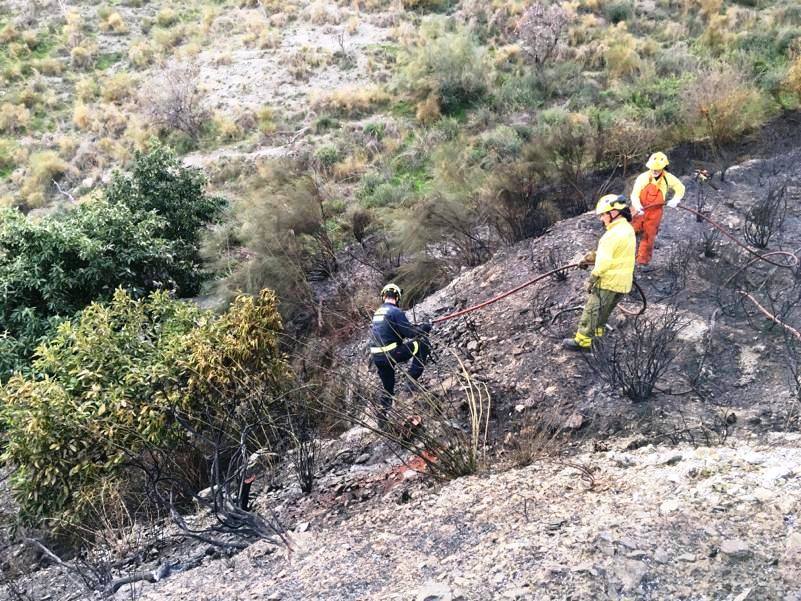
<point x="158" y="184"/>
<point x="452" y="66"/>
<point x="109" y="384"/>
<point x="142" y="235"/>
<point x="618" y="10"/>
<point x="283" y="226"/>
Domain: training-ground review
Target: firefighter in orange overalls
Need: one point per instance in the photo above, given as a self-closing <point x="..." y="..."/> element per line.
<point x="648" y="199"/>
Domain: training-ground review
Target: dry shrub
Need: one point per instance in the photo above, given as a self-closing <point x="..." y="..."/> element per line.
<point x="48" y="66"/>
<point x="43" y="168"/>
<point x="792" y="81"/>
<point x="321" y="13"/>
<point x="627" y="142"/>
<point x="82" y="116"/>
<point x="174" y="102"/>
<point x="353" y="165"/>
<point x="541" y="28"/>
<point x="83" y="56"/>
<point x="351" y="101"/>
<point x="117" y="88"/>
<point x="166" y="17"/>
<point x="114" y="23"/>
<point x="14" y="118"/>
<point x="720" y="105"/>
<point x="141" y="54"/>
<point x="428" y="110"/>
<point x="621" y="58"/>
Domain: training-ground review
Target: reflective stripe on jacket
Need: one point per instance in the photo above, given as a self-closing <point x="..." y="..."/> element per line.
<point x="614" y="259"/>
<point x="667" y="181"/>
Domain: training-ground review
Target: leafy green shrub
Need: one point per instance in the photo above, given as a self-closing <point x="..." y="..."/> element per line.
<point x="449" y="65"/>
<point x="326" y="156"/>
<point x="142" y="235"/>
<point x="618" y="10"/>
<point x="110" y="384"/>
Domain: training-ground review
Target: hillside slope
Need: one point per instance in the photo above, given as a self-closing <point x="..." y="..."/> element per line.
<point x="638" y="506"/>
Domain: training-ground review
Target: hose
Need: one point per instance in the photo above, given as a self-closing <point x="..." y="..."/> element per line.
<point x="495" y="299"/>
<point x="530" y="282"/>
<point x="726" y="233"/>
<point x="540" y="277"/>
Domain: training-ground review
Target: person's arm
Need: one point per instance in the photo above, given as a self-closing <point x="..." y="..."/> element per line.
<point x="639" y="184"/>
<point x="402" y="325"/>
<point x="674" y="183"/>
<point x="603" y="256"/>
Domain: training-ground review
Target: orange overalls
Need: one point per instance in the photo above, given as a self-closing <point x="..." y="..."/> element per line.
<point x="646" y="225"/>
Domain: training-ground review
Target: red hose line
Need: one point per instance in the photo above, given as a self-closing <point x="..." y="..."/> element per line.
<point x="714" y="224"/>
<point x="495" y="299"/>
<point x="723" y="231"/>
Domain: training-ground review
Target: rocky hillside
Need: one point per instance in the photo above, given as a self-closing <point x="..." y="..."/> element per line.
<point x="692" y="494"/>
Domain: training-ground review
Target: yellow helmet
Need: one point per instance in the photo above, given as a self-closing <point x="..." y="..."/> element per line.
<point x="657" y="161"/>
<point x="610" y="202"/>
<point x="392" y="290"/>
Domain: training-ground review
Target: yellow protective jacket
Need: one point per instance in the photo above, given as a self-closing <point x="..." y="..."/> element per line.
<point x="614" y="259"/>
<point x="668" y="181"/>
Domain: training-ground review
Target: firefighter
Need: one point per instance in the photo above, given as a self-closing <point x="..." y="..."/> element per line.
<point x="613" y="272"/>
<point x="648" y="198"/>
<point x="395" y="340"/>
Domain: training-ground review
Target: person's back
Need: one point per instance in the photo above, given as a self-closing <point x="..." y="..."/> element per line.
<point x="390" y="325"/>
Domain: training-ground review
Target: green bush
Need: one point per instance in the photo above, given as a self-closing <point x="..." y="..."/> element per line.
<point x="618" y="10"/>
<point x="142" y="235"/>
<point x="451" y="66"/>
<point x="109" y="385"/>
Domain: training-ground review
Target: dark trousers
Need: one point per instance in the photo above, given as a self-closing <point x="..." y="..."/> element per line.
<point x="417" y="350"/>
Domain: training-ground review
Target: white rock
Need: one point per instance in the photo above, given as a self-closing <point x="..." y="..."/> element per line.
<point x="735" y="548"/>
<point x="434" y="591"/>
<point x="669" y="506"/>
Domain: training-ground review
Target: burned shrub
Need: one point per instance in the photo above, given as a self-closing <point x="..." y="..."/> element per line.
<point x="634" y="358"/>
<point x="766" y="217"/>
<point x="552" y="261"/>
<point x="678" y="267"/>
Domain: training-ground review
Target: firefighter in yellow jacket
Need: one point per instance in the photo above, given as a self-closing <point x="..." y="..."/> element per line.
<point x="613" y="272"/>
<point x="648" y="200"/>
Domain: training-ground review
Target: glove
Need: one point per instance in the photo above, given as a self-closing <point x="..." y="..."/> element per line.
<point x="587" y="260"/>
<point x="673" y="202"/>
<point x="591" y="283"/>
<point x="425" y="327"/>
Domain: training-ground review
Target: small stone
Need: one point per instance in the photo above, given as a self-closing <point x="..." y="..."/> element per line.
<point x="628" y="543"/>
<point x="637" y="555"/>
<point x="669" y="506"/>
<point x="274" y="597"/>
<point x="630" y="573"/>
<point x="472" y="346"/>
<point x="574" y="422"/>
<point x="302" y="527"/>
<point x="735" y="548"/>
<point x="686" y="557"/>
<point x="410" y="475"/>
<point x="673" y="460"/>
<point x="363" y="458"/>
<point x="661" y="556"/>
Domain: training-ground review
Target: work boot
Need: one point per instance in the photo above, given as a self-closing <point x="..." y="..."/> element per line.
<point x="571" y="344"/>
